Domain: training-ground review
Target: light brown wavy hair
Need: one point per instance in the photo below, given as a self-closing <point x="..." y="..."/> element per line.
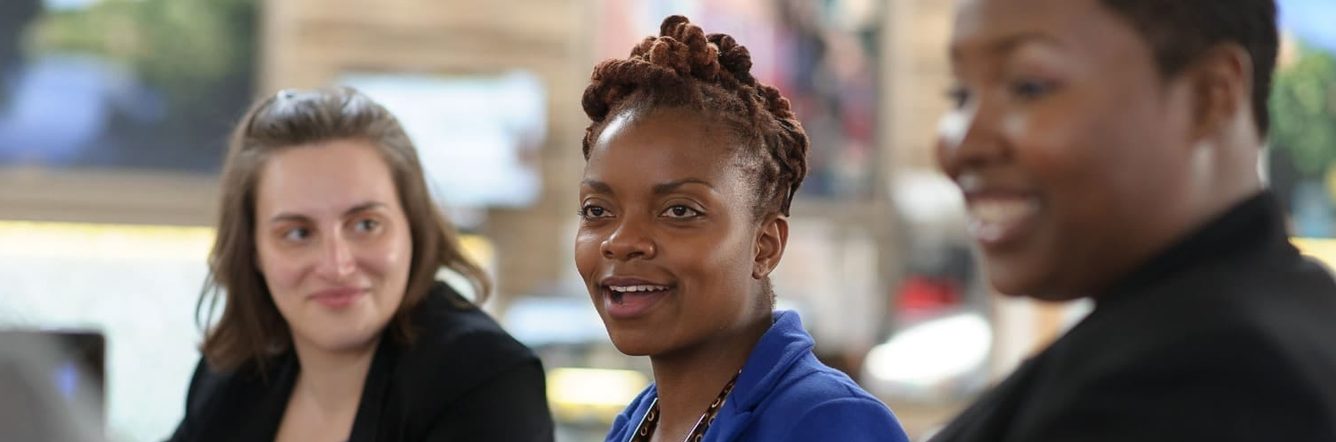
<point x="251" y="331"/>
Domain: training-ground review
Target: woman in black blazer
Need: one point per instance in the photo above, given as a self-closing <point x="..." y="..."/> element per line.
<point x="334" y="325"/>
<point x="1108" y="150"/>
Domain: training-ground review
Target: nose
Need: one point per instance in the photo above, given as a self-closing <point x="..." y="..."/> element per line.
<point x="969" y="137"/>
<point x="336" y="258"/>
<point x="631" y="240"/>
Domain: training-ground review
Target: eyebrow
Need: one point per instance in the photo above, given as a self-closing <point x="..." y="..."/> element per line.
<point x="658" y="189"/>
<point x="1014" y="41"/>
<point x="669" y="187"/>
<point x="355" y="209"/>
<point x="1009" y="43"/>
<point x="598" y="186"/>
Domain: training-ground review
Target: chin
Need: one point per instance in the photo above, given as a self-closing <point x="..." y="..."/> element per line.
<point x="632" y="343"/>
<point x="347" y="340"/>
<point x="1023" y="288"/>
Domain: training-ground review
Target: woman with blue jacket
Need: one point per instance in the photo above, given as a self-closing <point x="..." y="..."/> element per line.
<point x="691" y="165"/>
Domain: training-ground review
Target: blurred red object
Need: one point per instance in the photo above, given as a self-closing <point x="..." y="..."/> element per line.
<point x="921" y="295"/>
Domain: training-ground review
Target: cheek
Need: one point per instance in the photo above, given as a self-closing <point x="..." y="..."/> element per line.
<point x="587" y="252"/>
<point x="1063" y="146"/>
<point x="724" y="266"/>
<point x="394" y="256"/>
<point x="1083" y="152"/>
<point x="282" y="269"/>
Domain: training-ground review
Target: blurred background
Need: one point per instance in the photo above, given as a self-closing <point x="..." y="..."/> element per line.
<point x="114" y="116"/>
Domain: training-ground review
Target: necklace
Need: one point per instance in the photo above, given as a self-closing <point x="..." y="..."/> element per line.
<point x="651" y="420"/>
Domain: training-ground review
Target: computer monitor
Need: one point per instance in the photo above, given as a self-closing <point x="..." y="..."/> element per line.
<point x="51" y="385"/>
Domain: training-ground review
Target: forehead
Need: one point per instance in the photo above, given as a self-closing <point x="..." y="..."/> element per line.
<point x="330" y="176"/>
<point x="998" y="27"/>
<point x="663" y="144"/>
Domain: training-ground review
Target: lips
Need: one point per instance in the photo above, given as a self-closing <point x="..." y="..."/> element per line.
<point x="1000" y="211"/>
<point x="337" y="298"/>
<point x="629" y="298"/>
<point x="999" y="219"/>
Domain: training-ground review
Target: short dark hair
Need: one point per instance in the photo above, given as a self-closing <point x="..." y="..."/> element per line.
<point x="683" y="67"/>
<point x="251" y="329"/>
<point x="1180" y="31"/>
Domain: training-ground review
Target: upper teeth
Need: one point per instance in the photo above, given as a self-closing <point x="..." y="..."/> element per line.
<point x="636" y="288"/>
<point x="1002" y="211"/>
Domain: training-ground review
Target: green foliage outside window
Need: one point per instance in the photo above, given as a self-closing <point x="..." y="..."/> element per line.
<point x="1303" y="112"/>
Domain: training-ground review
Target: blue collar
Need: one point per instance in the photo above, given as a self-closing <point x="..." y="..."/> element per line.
<point x="780" y="348"/>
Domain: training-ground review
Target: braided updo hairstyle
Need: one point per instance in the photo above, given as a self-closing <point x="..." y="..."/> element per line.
<point x="711" y="74"/>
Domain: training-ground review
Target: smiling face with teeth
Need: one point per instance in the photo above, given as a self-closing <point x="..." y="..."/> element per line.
<point x="1078" y="159"/>
<point x="668" y="246"/>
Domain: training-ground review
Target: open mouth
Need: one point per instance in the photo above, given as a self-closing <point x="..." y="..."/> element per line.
<point x="998" y="220"/>
<point x="619" y="292"/>
<point x="632" y="301"/>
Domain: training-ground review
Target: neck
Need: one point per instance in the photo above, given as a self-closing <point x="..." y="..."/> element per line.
<point x="333" y="380"/>
<point x="689" y="380"/>
<point x="1226" y="173"/>
<point x="1218" y="176"/>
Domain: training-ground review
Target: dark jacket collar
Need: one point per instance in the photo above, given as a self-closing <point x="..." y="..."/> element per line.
<point x="269" y="392"/>
<point x="1254" y="225"/>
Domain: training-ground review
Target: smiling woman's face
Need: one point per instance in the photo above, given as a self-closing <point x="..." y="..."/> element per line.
<point x="1068" y="143"/>
<point x="333" y="243"/>
<point x="667" y="244"/>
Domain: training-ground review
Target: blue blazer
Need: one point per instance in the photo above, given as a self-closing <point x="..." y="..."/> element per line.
<point x="785" y="394"/>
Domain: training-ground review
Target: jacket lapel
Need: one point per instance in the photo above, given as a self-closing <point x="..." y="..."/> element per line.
<point x="989" y="418"/>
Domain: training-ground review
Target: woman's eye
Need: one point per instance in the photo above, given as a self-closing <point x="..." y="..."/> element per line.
<point x="592" y="212"/>
<point x="296" y="234"/>
<point x="1031" y="89"/>
<point x="367" y="225"/>
<point x="959" y="96"/>
<point x="680" y="211"/>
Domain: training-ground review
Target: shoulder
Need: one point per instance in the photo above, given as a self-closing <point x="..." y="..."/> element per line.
<point x="445" y="317"/>
<point x="803" y="414"/>
<point x="809" y="382"/>
<point x="1227" y="348"/>
<point x="1231" y="367"/>
<point x="457" y="347"/>
<point x="1239" y="386"/>
<point x="1232" y="334"/>
<point x="211" y="389"/>
<point x="219" y="403"/>
<point x="816" y="402"/>
<point x="1272" y="285"/>
<point x="851" y="418"/>
<point x="206" y="385"/>
<point x="1236" y="310"/>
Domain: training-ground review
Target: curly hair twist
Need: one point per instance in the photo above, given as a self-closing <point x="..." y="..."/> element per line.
<point x="685" y="68"/>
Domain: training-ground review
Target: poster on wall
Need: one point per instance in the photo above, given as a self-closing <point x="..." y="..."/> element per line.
<point x="477" y="136"/>
<point x="123" y="84"/>
<point x="821" y="55"/>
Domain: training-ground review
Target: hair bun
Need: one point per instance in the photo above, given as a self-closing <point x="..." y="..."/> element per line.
<point x="685" y="66"/>
<point x="733" y="57"/>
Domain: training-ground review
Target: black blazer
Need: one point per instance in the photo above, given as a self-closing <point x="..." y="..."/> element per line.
<point x="1229" y="335"/>
<point x="463" y="379"/>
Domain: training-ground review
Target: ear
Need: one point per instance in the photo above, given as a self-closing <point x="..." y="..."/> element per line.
<point x="770" y="242"/>
<point x="1221" y="81"/>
